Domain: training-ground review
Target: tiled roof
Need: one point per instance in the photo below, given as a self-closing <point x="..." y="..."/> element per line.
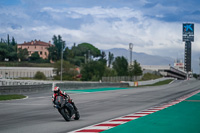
<point x="40" y="43"/>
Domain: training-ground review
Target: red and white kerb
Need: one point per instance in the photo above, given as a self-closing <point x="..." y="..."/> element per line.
<point x="121" y="120"/>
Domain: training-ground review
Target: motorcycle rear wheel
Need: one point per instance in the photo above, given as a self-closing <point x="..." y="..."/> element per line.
<point x="77" y="116"/>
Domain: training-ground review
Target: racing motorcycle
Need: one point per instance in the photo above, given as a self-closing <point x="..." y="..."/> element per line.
<point x="66" y="109"/>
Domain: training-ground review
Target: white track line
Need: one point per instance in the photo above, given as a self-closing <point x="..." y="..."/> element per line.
<point x="96" y="128"/>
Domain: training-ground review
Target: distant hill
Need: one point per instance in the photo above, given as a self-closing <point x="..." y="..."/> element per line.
<point x="142" y="58"/>
<point x="145" y="59"/>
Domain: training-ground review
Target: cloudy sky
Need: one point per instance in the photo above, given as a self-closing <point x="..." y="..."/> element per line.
<point x="153" y="26"/>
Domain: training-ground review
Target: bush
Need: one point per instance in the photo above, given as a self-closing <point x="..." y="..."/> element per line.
<point x="40" y="75"/>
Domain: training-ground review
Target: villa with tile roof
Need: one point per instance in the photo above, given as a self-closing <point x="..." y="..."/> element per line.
<point x="36" y="46"/>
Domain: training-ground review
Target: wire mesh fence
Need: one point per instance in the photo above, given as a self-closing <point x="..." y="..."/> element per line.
<point x="121" y="78"/>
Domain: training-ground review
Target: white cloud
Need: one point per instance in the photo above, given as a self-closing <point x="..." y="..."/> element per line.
<point x="105" y="31"/>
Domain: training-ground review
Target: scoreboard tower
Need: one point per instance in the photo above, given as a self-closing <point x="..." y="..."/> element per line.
<point x="188" y="37"/>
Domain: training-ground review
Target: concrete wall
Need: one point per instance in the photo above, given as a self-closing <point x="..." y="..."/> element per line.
<point x="27" y="89"/>
<point x="83" y="85"/>
<point x="149" y="81"/>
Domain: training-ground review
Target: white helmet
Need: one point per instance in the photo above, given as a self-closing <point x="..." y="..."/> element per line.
<point x="56" y="89"/>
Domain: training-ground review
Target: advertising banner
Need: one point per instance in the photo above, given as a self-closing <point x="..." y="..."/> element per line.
<point x="188" y="32"/>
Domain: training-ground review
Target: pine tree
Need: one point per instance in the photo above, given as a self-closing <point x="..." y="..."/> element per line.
<point x="8" y="40"/>
<point x="110" y="58"/>
<point x="13" y="42"/>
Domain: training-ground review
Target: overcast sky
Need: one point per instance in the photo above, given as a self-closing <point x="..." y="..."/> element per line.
<point x="153" y="26"/>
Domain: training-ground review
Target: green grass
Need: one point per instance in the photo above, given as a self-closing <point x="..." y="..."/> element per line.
<point x="183" y="117"/>
<point x="11" y="97"/>
<point x="164" y="82"/>
<point x="150" y="76"/>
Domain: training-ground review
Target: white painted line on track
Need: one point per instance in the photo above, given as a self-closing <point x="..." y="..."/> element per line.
<point x="96" y="128"/>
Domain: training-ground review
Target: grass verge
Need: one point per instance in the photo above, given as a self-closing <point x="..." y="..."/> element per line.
<point x="150" y="76"/>
<point x="11" y="97"/>
<point x="164" y="82"/>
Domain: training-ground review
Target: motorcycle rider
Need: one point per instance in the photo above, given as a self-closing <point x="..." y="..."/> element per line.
<point x="58" y="92"/>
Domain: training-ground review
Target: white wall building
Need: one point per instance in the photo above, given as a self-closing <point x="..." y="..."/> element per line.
<point x="18" y="72"/>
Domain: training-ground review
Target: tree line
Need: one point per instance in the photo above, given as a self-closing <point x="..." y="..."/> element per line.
<point x="92" y="62"/>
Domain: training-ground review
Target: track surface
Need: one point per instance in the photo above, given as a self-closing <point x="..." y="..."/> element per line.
<point x="36" y="114"/>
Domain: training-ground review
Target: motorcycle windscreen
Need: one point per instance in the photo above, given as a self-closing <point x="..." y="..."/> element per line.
<point x="58" y="100"/>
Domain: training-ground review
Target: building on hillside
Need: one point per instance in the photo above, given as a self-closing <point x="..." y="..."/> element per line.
<point x="36" y="46"/>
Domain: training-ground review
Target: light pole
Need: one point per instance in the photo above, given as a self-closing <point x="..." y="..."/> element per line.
<point x="88" y="55"/>
<point x="130" y="48"/>
<point x="85" y="58"/>
<point x="61" y="63"/>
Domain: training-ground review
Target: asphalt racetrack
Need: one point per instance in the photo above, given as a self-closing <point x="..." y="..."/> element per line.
<point x="37" y="115"/>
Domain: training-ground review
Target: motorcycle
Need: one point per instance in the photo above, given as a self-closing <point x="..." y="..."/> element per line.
<point x="66" y="109"/>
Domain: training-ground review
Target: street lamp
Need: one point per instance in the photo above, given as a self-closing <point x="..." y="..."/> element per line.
<point x="61" y="62"/>
<point x="85" y="58"/>
<point x="88" y="55"/>
<point x="130" y="48"/>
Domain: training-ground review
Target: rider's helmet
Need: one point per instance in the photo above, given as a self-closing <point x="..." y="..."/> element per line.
<point x="56" y="90"/>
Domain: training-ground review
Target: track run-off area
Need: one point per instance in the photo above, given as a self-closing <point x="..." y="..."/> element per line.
<point x="36" y="113"/>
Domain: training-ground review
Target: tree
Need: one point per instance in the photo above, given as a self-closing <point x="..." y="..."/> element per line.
<point x="92" y="71"/>
<point x="109" y="72"/>
<point x="8" y="40"/>
<point x="8" y="51"/>
<point x="103" y="57"/>
<point x="12" y="56"/>
<point x="121" y="66"/>
<point x="13" y="42"/>
<point x="86" y="48"/>
<point x="39" y="75"/>
<point x="22" y="54"/>
<point x="53" y="53"/>
<point x="34" y="57"/>
<point x="68" y="72"/>
<point x="135" y="69"/>
<point x="2" y="40"/>
<point x="59" y="46"/>
<point x="3" y="51"/>
<point x="81" y="53"/>
<point x="110" y="58"/>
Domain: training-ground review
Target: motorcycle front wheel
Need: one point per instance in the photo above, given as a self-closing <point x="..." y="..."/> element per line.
<point x="66" y="114"/>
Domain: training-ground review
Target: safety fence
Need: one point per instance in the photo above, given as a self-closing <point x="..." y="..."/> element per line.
<point x="121" y="78"/>
<point x="26" y="89"/>
<point x="8" y="82"/>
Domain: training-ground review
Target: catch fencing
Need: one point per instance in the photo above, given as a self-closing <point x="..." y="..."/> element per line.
<point x="121" y="78"/>
<point x="47" y="87"/>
